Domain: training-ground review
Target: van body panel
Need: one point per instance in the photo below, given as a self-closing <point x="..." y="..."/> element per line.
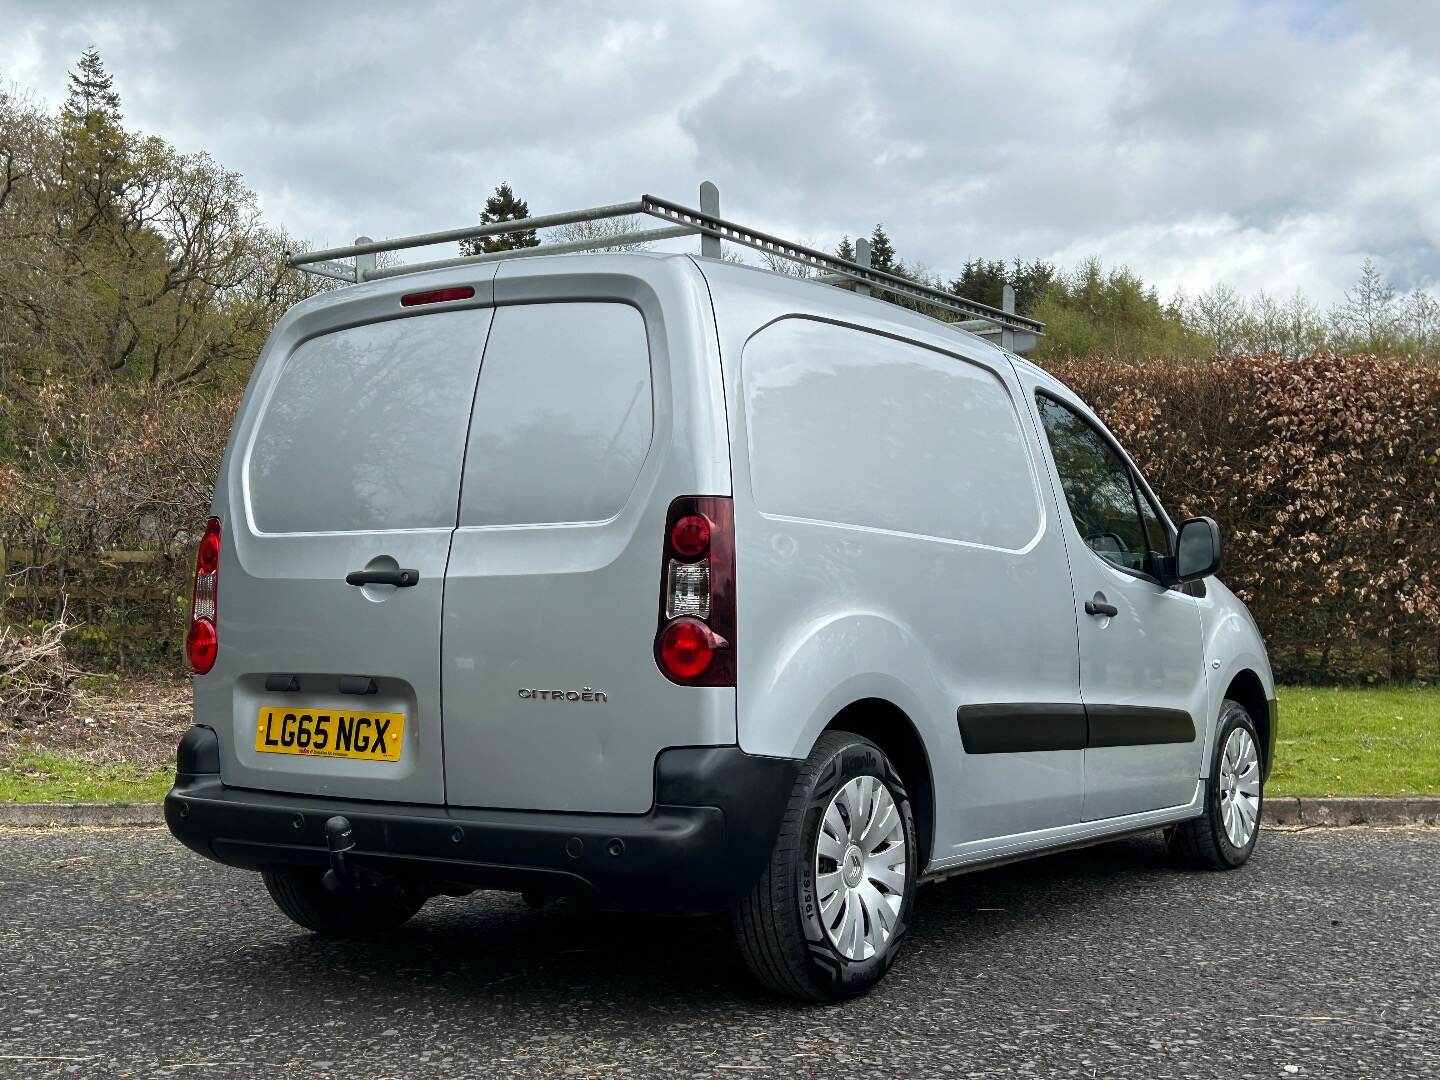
<point x="835" y="612"/>
<point x="553" y="700"/>
<point x="1231" y="637"/>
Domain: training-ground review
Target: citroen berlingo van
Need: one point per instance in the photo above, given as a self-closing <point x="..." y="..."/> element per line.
<point x="677" y="585"/>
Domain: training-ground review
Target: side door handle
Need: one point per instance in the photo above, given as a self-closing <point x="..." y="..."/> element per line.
<point x="1100" y="606"/>
<point x="401" y="579"/>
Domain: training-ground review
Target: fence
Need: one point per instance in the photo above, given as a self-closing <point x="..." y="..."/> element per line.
<point x="127" y="606"/>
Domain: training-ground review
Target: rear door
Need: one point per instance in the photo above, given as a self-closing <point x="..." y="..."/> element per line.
<point x="552" y="697"/>
<point x="349" y="461"/>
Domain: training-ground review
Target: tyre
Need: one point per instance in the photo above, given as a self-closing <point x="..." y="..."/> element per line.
<point x="1224" y="836"/>
<point x="828" y="915"/>
<point x="302" y="896"/>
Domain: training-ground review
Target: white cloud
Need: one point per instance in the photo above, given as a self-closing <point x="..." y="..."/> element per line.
<point x="1265" y="144"/>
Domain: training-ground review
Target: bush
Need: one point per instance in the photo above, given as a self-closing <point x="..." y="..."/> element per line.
<point x="36" y="679"/>
<point x="1323" y="474"/>
<point x="100" y="511"/>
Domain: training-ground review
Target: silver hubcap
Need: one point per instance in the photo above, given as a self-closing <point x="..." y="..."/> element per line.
<point x="860" y="868"/>
<point x="1239" y="787"/>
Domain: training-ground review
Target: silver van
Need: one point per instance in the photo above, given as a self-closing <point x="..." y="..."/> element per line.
<point x="678" y="585"/>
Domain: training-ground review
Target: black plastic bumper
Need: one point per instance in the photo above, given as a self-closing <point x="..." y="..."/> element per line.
<point x="701" y="846"/>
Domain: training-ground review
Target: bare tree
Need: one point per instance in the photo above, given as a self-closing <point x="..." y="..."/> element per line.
<point x="1219" y="315"/>
<point x="1420" y="318"/>
<point x="605" y="233"/>
<point x="1366" y="319"/>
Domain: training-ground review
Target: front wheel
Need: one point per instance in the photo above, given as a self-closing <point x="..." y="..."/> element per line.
<point x="1224" y="836"/>
<point x="827" y="916"/>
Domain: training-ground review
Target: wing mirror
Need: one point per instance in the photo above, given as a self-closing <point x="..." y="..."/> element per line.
<point x="1197" y="549"/>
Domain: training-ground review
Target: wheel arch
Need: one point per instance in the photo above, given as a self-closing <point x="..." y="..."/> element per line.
<point x="889" y="727"/>
<point x="1246" y="688"/>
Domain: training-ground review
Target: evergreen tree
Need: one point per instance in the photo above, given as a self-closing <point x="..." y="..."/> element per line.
<point x="984" y="280"/>
<point x="95" y="156"/>
<point x="92" y="98"/>
<point x="981" y="280"/>
<point x="1030" y="283"/>
<point x="502" y="206"/>
<point x="882" y="254"/>
<point x="846" y="250"/>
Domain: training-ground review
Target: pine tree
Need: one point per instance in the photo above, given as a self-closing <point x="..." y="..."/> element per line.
<point x="502" y="206"/>
<point x="846" y="250"/>
<point x="882" y="254"/>
<point x="982" y="280"/>
<point x="92" y="99"/>
<point x="95" y="163"/>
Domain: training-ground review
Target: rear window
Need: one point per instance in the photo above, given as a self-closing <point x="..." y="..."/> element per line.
<point x="563" y="415"/>
<point x="859" y="429"/>
<point x="365" y="429"/>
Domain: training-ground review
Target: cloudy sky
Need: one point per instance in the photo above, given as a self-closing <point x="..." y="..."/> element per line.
<point x="1268" y="145"/>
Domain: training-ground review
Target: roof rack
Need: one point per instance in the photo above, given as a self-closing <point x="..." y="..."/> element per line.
<point x="1016" y="332"/>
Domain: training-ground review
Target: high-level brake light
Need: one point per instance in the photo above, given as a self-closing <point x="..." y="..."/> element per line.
<point x="437" y="296"/>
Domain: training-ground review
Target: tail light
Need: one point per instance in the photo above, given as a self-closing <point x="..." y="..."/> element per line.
<point x="695" y="642"/>
<point x="202" y="643"/>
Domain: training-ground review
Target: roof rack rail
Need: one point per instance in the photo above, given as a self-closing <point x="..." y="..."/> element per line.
<point x="1016" y="332"/>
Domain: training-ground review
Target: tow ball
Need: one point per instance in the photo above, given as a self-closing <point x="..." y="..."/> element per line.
<point x="344" y="875"/>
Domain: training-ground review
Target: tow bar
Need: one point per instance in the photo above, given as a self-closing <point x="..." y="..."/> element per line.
<point x="345" y="876"/>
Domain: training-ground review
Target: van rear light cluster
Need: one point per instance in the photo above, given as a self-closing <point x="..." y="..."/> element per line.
<point x="695" y="642"/>
<point x="202" y="643"/>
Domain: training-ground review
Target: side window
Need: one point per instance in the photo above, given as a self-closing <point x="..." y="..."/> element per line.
<point x="1099" y="490"/>
<point x="1158" y="538"/>
<point x="852" y="428"/>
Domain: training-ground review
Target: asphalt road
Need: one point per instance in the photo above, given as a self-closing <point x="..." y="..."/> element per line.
<point x="123" y="955"/>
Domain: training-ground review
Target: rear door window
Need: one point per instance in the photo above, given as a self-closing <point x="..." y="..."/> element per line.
<point x="365" y="428"/>
<point x="563" y="415"/>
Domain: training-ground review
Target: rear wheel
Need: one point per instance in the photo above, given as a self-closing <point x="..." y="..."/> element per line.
<point x="302" y="896"/>
<point x="827" y="917"/>
<point x="1224" y="836"/>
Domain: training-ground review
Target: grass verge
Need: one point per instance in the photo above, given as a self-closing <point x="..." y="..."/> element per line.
<point x="1352" y="741"/>
<point x="49" y="778"/>
<point x="1346" y="741"/>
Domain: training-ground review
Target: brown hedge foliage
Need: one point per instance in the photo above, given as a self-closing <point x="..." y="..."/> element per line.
<point x="1323" y="474"/>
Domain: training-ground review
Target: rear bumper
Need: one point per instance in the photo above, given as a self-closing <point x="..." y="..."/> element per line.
<point x="701" y="846"/>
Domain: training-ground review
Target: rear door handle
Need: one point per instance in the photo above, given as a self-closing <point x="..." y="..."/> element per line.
<point x="401" y="579"/>
<point x="1101" y="606"/>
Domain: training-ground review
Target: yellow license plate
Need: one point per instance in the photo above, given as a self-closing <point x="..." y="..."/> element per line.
<point x="341" y="733"/>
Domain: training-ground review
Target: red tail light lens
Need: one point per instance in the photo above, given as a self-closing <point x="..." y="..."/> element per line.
<point x="202" y="641"/>
<point x="690" y="536"/>
<point x="687" y="648"/>
<point x="695" y="640"/>
<point x="201" y="645"/>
